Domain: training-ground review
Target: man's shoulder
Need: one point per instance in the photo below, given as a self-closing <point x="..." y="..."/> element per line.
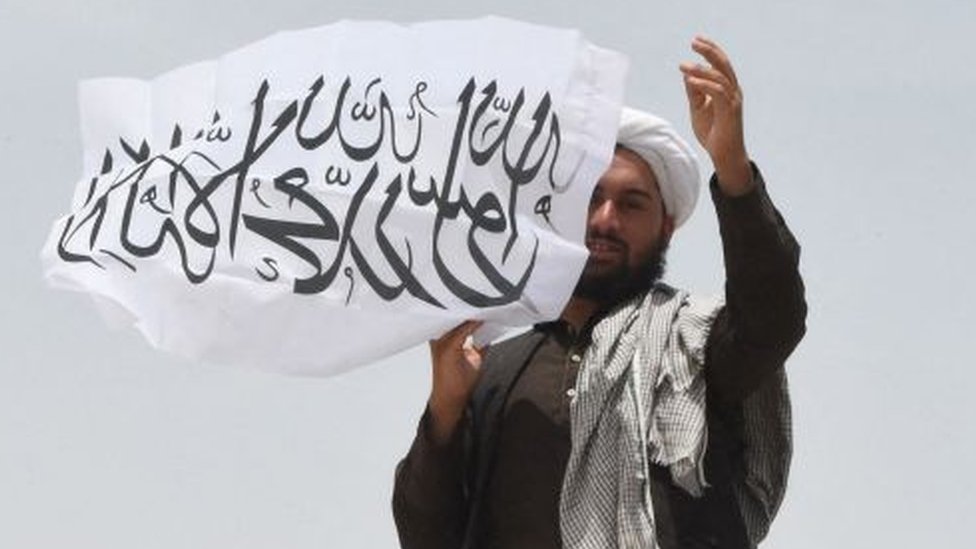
<point x="686" y="302"/>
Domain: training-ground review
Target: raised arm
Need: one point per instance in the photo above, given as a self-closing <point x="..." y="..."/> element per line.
<point x="765" y="314"/>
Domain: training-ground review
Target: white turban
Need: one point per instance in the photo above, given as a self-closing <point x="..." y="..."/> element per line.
<point x="671" y="158"/>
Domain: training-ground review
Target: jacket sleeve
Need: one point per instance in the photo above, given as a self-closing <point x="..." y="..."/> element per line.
<point x="765" y="313"/>
<point x="429" y="492"/>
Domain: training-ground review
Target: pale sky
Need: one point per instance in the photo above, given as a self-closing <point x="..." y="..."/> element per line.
<point x="860" y="114"/>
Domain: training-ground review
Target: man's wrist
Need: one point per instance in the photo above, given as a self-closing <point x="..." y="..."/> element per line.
<point x="734" y="174"/>
<point x="444" y="419"/>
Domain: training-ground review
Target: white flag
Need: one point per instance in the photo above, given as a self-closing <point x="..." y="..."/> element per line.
<point x="327" y="197"/>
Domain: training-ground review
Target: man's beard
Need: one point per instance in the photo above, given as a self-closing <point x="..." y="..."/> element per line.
<point x="624" y="281"/>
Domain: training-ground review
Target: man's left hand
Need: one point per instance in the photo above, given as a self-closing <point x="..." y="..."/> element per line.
<point x="715" y="101"/>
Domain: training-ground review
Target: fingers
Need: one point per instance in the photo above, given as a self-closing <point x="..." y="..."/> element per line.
<point x="707" y="88"/>
<point x="461" y="332"/>
<point x="454" y="340"/>
<point x="716" y="56"/>
<point x="716" y="80"/>
<point x="474" y="354"/>
<point x="701" y="73"/>
<point x="696" y="97"/>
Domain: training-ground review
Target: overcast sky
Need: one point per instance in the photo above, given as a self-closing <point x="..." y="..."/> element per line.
<point x="861" y="115"/>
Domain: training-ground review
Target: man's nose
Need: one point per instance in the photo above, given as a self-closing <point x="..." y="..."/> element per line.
<point x="603" y="217"/>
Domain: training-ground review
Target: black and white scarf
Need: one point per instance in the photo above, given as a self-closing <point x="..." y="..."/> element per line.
<point x="640" y="398"/>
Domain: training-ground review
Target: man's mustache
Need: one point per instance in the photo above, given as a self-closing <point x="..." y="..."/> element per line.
<point x="607" y="240"/>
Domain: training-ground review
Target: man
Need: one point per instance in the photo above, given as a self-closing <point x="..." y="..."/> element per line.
<point x="644" y="417"/>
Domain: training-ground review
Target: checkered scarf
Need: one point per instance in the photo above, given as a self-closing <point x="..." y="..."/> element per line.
<point x="640" y="398"/>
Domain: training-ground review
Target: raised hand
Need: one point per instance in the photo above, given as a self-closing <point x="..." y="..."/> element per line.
<point x="456" y="364"/>
<point x="715" y="102"/>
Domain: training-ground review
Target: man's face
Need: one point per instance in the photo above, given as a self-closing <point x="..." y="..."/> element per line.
<point x="627" y="231"/>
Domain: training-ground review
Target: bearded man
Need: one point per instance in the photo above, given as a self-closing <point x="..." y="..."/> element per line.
<point x="644" y="416"/>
